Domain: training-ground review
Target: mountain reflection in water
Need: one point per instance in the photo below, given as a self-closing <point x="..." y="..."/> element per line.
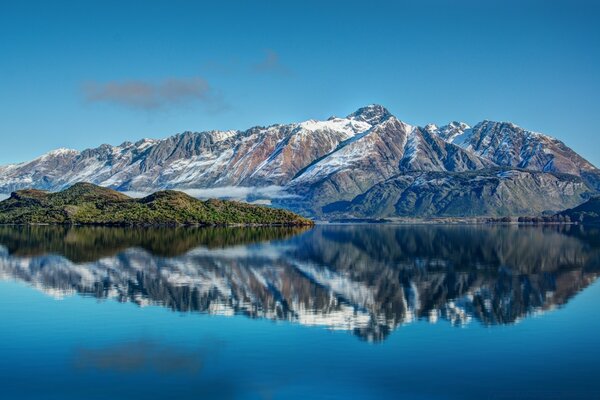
<point x="368" y="279"/>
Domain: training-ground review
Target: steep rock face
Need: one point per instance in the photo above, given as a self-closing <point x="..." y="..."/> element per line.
<point x="427" y="152"/>
<point x="356" y="166"/>
<point x="507" y="144"/>
<point x="448" y="132"/>
<point x="309" y="141"/>
<point x="372" y="114"/>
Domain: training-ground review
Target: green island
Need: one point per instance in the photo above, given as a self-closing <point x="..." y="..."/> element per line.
<point x="88" y="204"/>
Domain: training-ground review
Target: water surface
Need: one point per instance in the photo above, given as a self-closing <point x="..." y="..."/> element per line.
<point x="347" y="311"/>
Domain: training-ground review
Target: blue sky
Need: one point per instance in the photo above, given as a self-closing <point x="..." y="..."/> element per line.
<point x="78" y="74"/>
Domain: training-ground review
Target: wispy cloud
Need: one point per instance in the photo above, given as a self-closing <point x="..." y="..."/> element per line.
<point x="150" y="96"/>
<point x="240" y="192"/>
<point x="260" y="195"/>
<point x="272" y="64"/>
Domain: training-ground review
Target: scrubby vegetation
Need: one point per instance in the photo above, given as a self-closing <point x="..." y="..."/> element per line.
<point x="586" y="213"/>
<point x="88" y="204"/>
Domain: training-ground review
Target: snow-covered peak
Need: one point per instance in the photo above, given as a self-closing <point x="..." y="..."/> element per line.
<point x="447" y="132"/>
<point x="219" y="136"/>
<point x="145" y="143"/>
<point x="372" y="114"/>
<point x="215" y="135"/>
<point x="507" y="144"/>
<point x="515" y="128"/>
<point x="452" y="130"/>
<point x="432" y="128"/>
<point x="346" y="125"/>
<point x="490" y="124"/>
<point x="61" y="152"/>
<point x="501" y="130"/>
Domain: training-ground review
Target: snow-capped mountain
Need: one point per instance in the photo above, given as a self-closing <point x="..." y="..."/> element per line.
<point x="311" y="166"/>
<point x="507" y="144"/>
<point x="448" y="132"/>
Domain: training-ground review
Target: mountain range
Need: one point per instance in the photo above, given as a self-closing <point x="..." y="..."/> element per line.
<point x="365" y="165"/>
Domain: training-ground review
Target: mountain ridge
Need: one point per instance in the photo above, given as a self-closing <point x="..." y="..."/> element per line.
<point x="312" y="163"/>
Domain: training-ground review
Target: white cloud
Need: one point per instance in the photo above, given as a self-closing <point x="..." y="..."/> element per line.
<point x="257" y="195"/>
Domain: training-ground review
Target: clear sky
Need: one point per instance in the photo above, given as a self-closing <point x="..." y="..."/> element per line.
<point x="78" y="74"/>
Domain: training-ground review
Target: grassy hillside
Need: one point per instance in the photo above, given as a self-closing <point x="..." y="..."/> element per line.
<point x="84" y="203"/>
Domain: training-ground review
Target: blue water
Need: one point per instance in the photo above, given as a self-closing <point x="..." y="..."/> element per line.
<point x="285" y="315"/>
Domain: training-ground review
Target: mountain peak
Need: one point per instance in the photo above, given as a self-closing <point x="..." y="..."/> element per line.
<point x="447" y="132"/>
<point x="372" y="114"/>
<point x="60" y="152"/>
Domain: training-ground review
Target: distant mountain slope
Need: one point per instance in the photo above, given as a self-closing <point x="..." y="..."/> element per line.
<point x="488" y="192"/>
<point x="588" y="212"/>
<point x="311" y="166"/>
<point x="84" y="203"/>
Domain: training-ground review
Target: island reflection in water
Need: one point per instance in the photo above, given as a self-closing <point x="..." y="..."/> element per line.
<point x="367" y="279"/>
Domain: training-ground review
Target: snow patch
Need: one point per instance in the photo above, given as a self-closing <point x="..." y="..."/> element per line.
<point x="348" y="126"/>
<point x="61" y="152"/>
<point x="411" y="149"/>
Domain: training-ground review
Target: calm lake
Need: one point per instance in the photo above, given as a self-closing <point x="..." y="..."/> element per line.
<point x="334" y="312"/>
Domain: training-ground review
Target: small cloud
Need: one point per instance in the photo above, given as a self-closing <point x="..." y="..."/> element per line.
<point x="152" y="96"/>
<point x="272" y="64"/>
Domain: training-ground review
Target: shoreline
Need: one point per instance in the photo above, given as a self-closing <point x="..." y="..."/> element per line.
<point x="165" y="225"/>
<point x="389" y="221"/>
<point x="448" y="221"/>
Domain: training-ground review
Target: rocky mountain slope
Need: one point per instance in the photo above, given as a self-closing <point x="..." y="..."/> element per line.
<point x="313" y="165"/>
<point x="490" y="192"/>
